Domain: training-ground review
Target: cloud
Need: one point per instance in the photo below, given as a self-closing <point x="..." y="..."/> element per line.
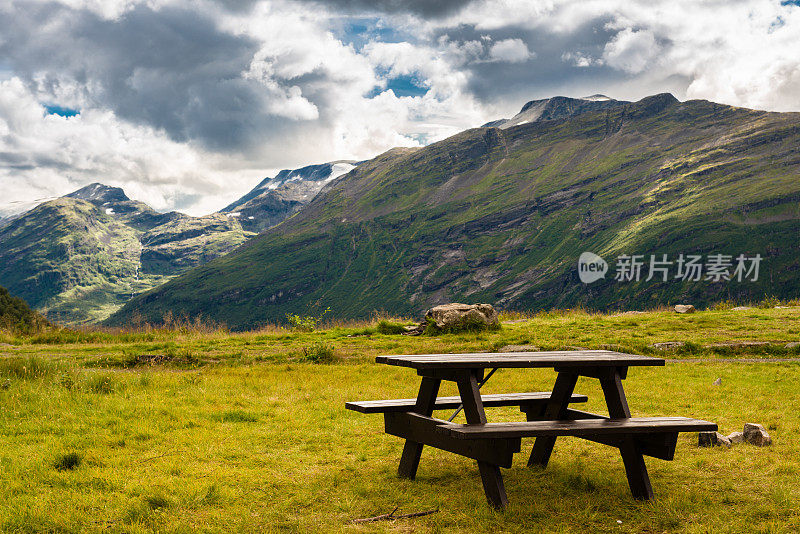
<point x="510" y="50"/>
<point x="189" y="103"/>
<point x="631" y="51"/>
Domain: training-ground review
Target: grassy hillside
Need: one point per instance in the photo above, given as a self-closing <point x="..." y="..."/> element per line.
<point x="501" y="216"/>
<point x="239" y="432"/>
<point x="79" y="260"/>
<point x="16" y="315"/>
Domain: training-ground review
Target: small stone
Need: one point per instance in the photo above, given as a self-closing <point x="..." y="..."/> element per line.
<point x="668" y="345"/>
<point x="5" y="384"/>
<point x="717" y="382"/>
<point x="741" y="308"/>
<point x="711" y="439"/>
<point x="736" y="437"/>
<point x="756" y="434"/>
<point x="684" y="308"/>
<point x="792" y="345"/>
<point x="781" y="307"/>
<point x="707" y="439"/>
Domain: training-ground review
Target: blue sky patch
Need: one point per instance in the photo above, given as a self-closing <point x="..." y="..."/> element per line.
<point x="791" y="3"/>
<point x="358" y="31"/>
<point x="406" y="85"/>
<point x="60" y="111"/>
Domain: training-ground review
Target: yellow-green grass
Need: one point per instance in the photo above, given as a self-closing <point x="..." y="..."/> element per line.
<point x="239" y="435"/>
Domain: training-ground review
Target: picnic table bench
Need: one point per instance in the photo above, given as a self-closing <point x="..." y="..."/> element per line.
<point x="548" y="414"/>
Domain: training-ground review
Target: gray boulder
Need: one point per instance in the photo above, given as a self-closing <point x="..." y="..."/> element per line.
<point x="457" y="316"/>
<point x="684" y="308"/>
<point x="756" y="434"/>
<point x="736" y="437"/>
<point x="712" y="439"/>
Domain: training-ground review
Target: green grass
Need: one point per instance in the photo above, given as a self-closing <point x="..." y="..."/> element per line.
<point x="251" y="438"/>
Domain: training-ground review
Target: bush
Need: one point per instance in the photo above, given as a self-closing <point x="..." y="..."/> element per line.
<point x="390" y="328"/>
<point x="68" y="461"/>
<point x="305" y="323"/>
<point x="319" y="352"/>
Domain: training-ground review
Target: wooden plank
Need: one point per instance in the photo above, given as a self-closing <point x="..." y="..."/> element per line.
<point x="444" y="403"/>
<point x="561" y="359"/>
<point x="421" y="429"/>
<point x="632" y="456"/>
<point x="556" y="409"/>
<point x="412" y="450"/>
<point x="492" y="479"/>
<point x="578" y="427"/>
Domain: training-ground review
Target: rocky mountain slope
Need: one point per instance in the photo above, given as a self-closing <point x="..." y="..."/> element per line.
<point x="275" y="199"/>
<point x="502" y="216"/>
<point x="80" y="257"/>
<point x="557" y="107"/>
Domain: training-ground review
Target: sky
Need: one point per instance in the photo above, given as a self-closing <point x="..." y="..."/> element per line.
<point x="188" y="104"/>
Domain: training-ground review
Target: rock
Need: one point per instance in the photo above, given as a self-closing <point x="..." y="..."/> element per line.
<point x="782" y="307"/>
<point x="455" y="317"/>
<point x="792" y="345"/>
<point x="736" y="437"/>
<point x="741" y="308"/>
<point x="684" y="308"/>
<point x="631" y="312"/>
<point x="520" y="348"/>
<point x="711" y="439"/>
<point x="756" y="434"/>
<point x="717" y="382"/>
<point x="668" y="345"/>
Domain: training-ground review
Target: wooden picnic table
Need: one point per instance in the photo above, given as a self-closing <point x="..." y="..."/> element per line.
<point x="548" y="414"/>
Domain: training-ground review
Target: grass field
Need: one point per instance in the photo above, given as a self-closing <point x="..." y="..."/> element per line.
<point x="199" y="429"/>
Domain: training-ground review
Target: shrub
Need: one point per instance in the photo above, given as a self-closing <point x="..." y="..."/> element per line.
<point x="68" y="461"/>
<point x="305" y="323"/>
<point x="319" y="352"/>
<point x="390" y="328"/>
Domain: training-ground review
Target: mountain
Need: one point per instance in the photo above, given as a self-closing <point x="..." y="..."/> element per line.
<point x="80" y="257"/>
<point x="15" y="314"/>
<point x="557" y="107"/>
<point x="275" y="199"/>
<point x="501" y="215"/>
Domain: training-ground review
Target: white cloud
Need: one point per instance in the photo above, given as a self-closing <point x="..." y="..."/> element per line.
<point x="189" y="103"/>
<point x="631" y="51"/>
<point x="510" y="50"/>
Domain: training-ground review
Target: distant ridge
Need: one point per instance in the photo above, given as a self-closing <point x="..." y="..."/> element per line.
<point x="557" y="107"/>
<point x="275" y="199"/>
<point x="501" y="215"/>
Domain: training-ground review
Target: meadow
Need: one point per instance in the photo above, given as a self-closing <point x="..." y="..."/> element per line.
<point x="194" y="428"/>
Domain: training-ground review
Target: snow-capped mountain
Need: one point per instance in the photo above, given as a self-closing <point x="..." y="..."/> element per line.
<point x="274" y="199"/>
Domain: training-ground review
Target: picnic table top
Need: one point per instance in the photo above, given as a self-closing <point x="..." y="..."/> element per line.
<point x="482" y="360"/>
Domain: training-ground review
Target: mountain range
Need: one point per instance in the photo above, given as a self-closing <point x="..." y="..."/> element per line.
<point x="80" y="257"/>
<point x="502" y="213"/>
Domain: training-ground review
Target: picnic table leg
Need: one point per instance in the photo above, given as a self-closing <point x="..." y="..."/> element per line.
<point x="556" y="408"/>
<point x="632" y="458"/>
<point x="412" y="451"/>
<point x="491" y="477"/>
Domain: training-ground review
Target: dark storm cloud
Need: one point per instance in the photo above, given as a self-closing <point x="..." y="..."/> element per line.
<point x="172" y="68"/>
<point x="424" y="8"/>
<point x="548" y="72"/>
